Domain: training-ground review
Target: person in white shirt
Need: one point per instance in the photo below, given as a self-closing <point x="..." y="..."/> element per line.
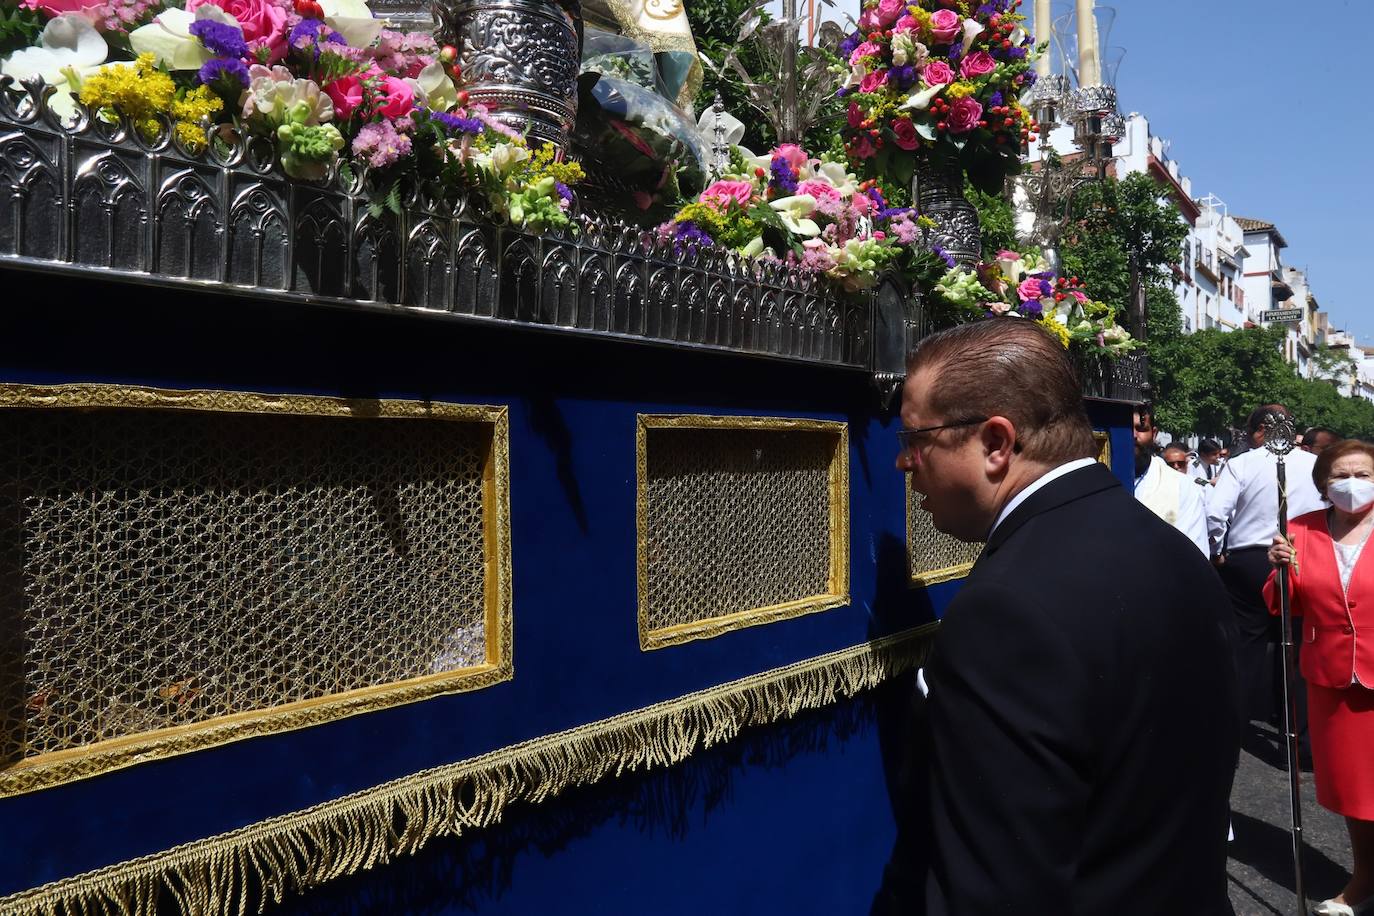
<point x="1242" y="515"/>
<point x="1208" y="464"/>
<point x="1164" y="490"/>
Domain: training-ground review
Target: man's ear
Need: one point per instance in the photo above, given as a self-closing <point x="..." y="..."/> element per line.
<point x="998" y="437"/>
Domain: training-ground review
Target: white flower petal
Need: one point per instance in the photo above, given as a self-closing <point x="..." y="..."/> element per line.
<point x="77" y="35"/>
<point x="347" y="9"/>
<point x="920" y="101"/>
<point x="168" y="38"/>
<point x="358" y="31"/>
<point x="214" y="13"/>
<point x="972" y="29"/>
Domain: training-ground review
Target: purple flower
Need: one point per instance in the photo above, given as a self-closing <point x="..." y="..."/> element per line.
<point x="847" y="46"/>
<point x="943" y="255"/>
<point x="229" y="69"/>
<point x="1032" y="309"/>
<point x="902" y="77"/>
<point x="220" y="39"/>
<point x="956" y="51"/>
<point x="1017" y="53"/>
<point x="563" y="190"/>
<point x="784" y="180"/>
<point x="995" y="100"/>
<point x="687" y="235"/>
<point x="455" y="124"/>
<point x="380" y="144"/>
<point x="1028" y="78"/>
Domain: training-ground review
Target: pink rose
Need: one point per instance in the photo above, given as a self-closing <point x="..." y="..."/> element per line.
<point x="873" y="81"/>
<point x="889" y="10"/>
<point x="905" y="24"/>
<point x="979" y="63"/>
<point x="1030" y="290"/>
<point x="868" y="19"/>
<point x="862" y="204"/>
<point x="963" y="116"/>
<point x="823" y="191"/>
<point x="263" y="22"/>
<point x="937" y="72"/>
<point x="1006" y="254"/>
<point x="792" y="154"/>
<point x="398" y="100"/>
<point x="347" y="94"/>
<point x="1079" y="295"/>
<point x="944" y="25"/>
<point x="723" y="193"/>
<point x="867" y="49"/>
<point x="906" y="133"/>
<point x="856" y="115"/>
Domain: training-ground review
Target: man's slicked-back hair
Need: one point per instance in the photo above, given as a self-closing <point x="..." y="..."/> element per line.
<point x="1013" y="368"/>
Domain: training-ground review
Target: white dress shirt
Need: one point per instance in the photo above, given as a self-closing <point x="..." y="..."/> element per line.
<point x="1042" y="480"/>
<point x="1198" y="468"/>
<point x="1244" y="504"/>
<point x="1189" y="511"/>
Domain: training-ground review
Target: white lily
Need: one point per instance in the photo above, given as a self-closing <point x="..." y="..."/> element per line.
<point x="68" y="49"/>
<point x="168" y="37"/>
<point x="795" y="213"/>
<point x="353" y="20"/>
<point x="920" y="101"/>
<point x="838" y="176"/>
<point x="754" y="248"/>
<point x="972" y="29"/>
<point x="434" y="89"/>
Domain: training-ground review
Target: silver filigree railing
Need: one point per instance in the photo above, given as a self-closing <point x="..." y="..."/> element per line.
<point x="97" y="197"/>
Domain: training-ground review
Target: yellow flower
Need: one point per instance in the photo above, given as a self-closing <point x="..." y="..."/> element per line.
<point x="198" y="105"/>
<point x="1051" y="324"/>
<point x="960" y="90"/>
<point x="140" y="93"/>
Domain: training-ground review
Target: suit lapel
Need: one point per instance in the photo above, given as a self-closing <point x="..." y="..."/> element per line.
<point x="1073" y="485"/>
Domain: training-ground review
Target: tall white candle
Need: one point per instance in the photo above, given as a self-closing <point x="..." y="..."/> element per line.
<point x="1089" y="66"/>
<point x="1043" y="27"/>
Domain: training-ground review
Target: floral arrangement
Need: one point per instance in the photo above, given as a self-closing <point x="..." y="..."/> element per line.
<point x="806" y="210"/>
<point x="939" y="77"/>
<point x="335" y="90"/>
<point x="1022" y="286"/>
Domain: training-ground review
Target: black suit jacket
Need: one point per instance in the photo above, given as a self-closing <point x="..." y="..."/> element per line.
<point x="1082" y="710"/>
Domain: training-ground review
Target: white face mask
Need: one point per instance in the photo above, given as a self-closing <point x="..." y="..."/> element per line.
<point x="1350" y="494"/>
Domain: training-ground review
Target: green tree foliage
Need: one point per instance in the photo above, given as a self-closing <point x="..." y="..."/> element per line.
<point x="1208" y="382"/>
<point x="996" y="220"/>
<point x="715" y="27"/>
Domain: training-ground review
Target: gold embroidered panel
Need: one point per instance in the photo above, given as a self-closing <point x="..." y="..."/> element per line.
<point x="180" y="569"/>
<point x="934" y="557"/>
<point x="742" y="521"/>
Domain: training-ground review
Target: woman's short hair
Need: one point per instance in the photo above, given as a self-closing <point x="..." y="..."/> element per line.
<point x="1321" y="471"/>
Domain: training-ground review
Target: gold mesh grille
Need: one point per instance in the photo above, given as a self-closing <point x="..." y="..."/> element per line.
<point x="742" y="521"/>
<point x="937" y="557"/>
<point x="165" y="569"/>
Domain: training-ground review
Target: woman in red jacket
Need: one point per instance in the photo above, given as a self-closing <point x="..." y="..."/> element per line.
<point x="1332" y="588"/>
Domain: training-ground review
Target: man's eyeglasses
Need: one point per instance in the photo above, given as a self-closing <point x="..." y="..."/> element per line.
<point x="907" y="439"/>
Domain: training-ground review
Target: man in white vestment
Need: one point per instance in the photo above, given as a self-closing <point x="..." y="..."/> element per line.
<point x="1166" y="492"/>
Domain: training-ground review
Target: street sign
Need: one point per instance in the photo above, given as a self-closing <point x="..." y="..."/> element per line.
<point x="1281" y="315"/>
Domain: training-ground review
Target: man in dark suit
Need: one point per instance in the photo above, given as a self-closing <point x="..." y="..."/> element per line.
<point x="1081" y="691"/>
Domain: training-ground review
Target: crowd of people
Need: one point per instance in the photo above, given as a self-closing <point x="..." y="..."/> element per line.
<point x="1330" y="490"/>
<point x="1087" y="691"/>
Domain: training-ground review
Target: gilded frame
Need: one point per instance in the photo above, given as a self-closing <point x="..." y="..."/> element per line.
<point x="958" y="571"/>
<point x="71" y="764"/>
<point x="838" y="592"/>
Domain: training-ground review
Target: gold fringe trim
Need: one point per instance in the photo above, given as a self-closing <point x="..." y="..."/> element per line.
<point x="234" y="872"/>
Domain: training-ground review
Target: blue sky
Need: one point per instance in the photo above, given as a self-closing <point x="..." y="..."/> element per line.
<point x="1262" y="103"/>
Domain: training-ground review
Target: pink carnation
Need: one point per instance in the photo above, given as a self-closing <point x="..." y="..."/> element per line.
<point x="944" y="25"/>
<point x="937" y="73"/>
<point x="979" y="63"/>
<point x="723" y="193"/>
